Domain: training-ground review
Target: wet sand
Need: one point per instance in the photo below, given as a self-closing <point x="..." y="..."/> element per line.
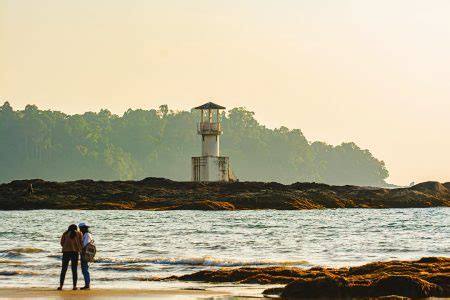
<point x="99" y="294"/>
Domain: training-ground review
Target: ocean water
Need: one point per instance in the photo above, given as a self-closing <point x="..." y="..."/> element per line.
<point x="134" y="246"/>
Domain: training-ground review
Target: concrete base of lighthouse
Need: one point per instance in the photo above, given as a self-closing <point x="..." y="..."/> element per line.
<point x="211" y="168"/>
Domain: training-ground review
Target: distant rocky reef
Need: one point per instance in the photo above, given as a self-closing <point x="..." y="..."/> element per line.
<point x="164" y="194"/>
<point x="427" y="277"/>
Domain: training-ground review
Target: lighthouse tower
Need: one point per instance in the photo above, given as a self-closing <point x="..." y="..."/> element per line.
<point x="210" y="166"/>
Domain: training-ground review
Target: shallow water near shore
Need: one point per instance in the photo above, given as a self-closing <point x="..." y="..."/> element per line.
<point x="134" y="246"/>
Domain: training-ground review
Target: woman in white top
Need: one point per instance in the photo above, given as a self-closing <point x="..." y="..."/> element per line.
<point x="87" y="238"/>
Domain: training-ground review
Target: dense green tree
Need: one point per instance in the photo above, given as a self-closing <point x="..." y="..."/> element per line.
<point x="142" y="143"/>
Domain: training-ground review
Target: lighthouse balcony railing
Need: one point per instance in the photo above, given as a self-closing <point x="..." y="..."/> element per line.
<point x="209" y="128"/>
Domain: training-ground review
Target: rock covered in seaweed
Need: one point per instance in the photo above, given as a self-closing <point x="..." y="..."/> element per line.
<point x="164" y="194"/>
<point x="427" y="277"/>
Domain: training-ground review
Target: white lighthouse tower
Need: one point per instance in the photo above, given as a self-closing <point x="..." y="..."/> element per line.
<point x="210" y="166"/>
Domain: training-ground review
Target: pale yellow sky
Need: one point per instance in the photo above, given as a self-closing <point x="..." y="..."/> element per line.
<point x="373" y="72"/>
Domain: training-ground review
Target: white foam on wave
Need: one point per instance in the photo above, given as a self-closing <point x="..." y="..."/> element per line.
<point x="24" y="250"/>
<point x="204" y="261"/>
<point x="17" y="272"/>
<point x="11" y="262"/>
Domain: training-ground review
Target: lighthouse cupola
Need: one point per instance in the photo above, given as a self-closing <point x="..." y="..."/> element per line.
<point x="209" y="128"/>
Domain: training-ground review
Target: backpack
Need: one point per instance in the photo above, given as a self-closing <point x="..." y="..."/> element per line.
<point x="89" y="251"/>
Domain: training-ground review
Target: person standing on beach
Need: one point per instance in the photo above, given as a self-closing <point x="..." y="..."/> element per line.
<point x="87" y="239"/>
<point x="71" y="247"/>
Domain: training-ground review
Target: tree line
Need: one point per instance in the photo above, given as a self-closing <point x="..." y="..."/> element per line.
<point x="160" y="142"/>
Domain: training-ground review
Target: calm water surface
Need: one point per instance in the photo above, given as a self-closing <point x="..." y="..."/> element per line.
<point x="136" y="245"/>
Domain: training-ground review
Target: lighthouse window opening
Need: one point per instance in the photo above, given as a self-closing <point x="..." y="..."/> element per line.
<point x="210" y="116"/>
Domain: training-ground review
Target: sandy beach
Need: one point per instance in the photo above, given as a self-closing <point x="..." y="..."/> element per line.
<point x="97" y="294"/>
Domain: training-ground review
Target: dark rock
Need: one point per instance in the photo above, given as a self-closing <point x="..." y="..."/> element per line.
<point x="164" y="194"/>
<point x="322" y="287"/>
<point x="427" y="277"/>
<point x="392" y="297"/>
<point x="266" y="279"/>
<point x="273" y="291"/>
<point x="432" y="259"/>
<point x="206" y="205"/>
<point x="430" y="186"/>
<point x="406" y="286"/>
<point x="269" y="275"/>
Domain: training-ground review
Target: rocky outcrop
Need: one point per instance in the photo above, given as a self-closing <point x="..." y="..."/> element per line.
<point x="339" y="287"/>
<point x="431" y="187"/>
<point x="164" y="194"/>
<point x="427" y="277"/>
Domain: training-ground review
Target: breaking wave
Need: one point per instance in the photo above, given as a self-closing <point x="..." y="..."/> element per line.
<point x="204" y="261"/>
<point x="27" y="250"/>
<point x="23" y="250"/>
<point x="10" y="254"/>
<point x="11" y="262"/>
<point x="126" y="268"/>
<point x="108" y="279"/>
<point x="18" y="252"/>
<point x="17" y="272"/>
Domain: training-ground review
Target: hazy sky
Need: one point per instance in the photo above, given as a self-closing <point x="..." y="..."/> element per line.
<point x="373" y="72"/>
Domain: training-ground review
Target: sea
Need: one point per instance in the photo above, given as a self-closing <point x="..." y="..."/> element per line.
<point x="134" y="247"/>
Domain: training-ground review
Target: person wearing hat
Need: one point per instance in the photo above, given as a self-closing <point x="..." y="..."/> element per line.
<point x="87" y="238"/>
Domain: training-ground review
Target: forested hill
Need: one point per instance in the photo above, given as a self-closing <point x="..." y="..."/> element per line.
<point x="142" y="143"/>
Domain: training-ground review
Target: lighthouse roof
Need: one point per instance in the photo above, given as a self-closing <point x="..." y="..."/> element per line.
<point x="210" y="105"/>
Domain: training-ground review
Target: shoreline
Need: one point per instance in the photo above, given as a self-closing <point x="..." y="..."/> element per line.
<point x="108" y="293"/>
<point x="423" y="278"/>
<point x="156" y="194"/>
